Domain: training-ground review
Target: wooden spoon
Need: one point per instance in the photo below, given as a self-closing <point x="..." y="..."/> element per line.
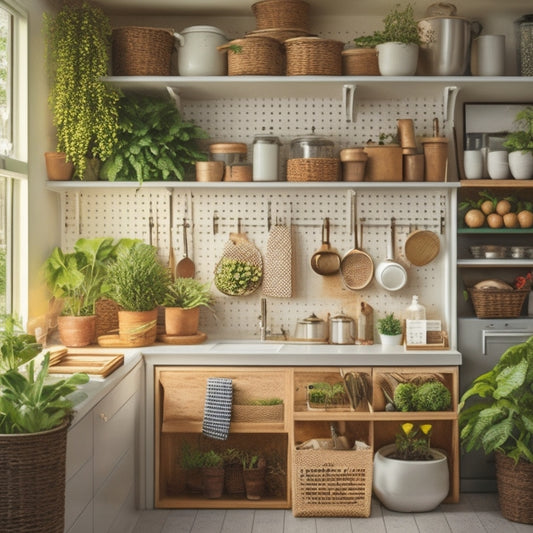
<point x="185" y="267"/>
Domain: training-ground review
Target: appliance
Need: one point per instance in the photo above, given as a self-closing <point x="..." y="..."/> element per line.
<point x="481" y="343"/>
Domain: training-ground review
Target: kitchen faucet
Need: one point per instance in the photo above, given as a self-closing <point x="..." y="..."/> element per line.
<point x="264" y="332"/>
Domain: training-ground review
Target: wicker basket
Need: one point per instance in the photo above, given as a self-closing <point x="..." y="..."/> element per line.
<point x="281" y="14"/>
<point x="32" y="484"/>
<point x="515" y="488"/>
<point x="498" y="303"/>
<point x="141" y="51"/>
<point x="280" y="34"/>
<point x="255" y="56"/>
<point x="313" y="56"/>
<point x="332" y="482"/>
<point x="106" y="311"/>
<point x="360" y="62"/>
<point x="257" y="413"/>
<point x="313" y="169"/>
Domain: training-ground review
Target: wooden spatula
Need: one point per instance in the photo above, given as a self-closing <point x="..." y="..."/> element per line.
<point x="185" y="267"/>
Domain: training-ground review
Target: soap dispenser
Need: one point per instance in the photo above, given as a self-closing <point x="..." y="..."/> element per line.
<point x="415" y="323"/>
<point x="415" y="311"/>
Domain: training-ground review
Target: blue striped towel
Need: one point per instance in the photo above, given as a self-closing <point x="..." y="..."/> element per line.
<point x="217" y="408"/>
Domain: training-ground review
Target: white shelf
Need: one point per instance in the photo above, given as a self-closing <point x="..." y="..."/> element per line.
<point x="495" y="263"/>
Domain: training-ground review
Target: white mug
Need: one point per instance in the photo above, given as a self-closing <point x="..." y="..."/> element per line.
<point x="498" y="165"/>
<point x="488" y="55"/>
<point x="473" y="164"/>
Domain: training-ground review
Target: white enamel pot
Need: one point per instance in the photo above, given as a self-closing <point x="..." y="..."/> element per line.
<point x="390" y="274"/>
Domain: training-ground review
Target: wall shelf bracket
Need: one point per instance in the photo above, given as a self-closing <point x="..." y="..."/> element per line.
<point x="175" y="95"/>
<point x="449" y="98"/>
<point x="348" y="102"/>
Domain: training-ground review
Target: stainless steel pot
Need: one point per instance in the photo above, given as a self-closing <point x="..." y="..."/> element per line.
<point x="445" y="42"/>
<point x="312" y="329"/>
<point x="341" y="330"/>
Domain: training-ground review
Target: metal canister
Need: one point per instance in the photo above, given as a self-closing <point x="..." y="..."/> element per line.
<point x="342" y="330"/>
<point x="266" y="158"/>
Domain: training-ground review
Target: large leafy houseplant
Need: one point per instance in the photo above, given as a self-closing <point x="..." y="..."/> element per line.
<point x="154" y="142"/>
<point x="84" y="109"/>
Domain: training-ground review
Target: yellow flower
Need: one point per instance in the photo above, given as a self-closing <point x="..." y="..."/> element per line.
<point x="426" y="428"/>
<point x="407" y="427"/>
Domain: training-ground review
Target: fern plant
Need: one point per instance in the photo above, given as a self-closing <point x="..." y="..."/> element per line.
<point x="154" y="142"/>
<point x="84" y="109"/>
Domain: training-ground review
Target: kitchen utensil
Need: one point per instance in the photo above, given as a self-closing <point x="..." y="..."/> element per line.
<point x="278" y="275"/>
<point x="390" y="274"/>
<point x="185" y="267"/>
<point x="357" y="267"/>
<point x="171" y="258"/>
<point x="341" y="329"/>
<point x="312" y="329"/>
<point x="325" y="261"/>
<point x="421" y="247"/>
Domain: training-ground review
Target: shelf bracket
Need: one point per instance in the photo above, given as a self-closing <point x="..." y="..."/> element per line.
<point x="175" y="95"/>
<point x="449" y="98"/>
<point x="348" y="102"/>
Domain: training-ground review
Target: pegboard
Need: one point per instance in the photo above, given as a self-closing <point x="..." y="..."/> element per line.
<point x="210" y="217"/>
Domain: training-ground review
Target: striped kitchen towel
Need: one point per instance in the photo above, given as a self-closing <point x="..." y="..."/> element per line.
<point x="217" y="408"/>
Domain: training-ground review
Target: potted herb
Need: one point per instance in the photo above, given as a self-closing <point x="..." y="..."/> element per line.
<point x="390" y="330"/>
<point x="154" y="142"/>
<point x="410" y="475"/>
<point x="254" y="472"/>
<point x="323" y="395"/>
<point x="182" y="302"/>
<point x="84" y="109"/>
<point x="233" y="471"/>
<point x="496" y="416"/>
<point x="191" y="460"/>
<point x="34" y="419"/>
<point x="138" y="283"/>
<point x="212" y="474"/>
<point x="519" y="143"/>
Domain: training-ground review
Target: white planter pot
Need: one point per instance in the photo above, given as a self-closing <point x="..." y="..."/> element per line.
<point x="410" y="486"/>
<point x="397" y="59"/>
<point x="521" y="165"/>
<point x="390" y="340"/>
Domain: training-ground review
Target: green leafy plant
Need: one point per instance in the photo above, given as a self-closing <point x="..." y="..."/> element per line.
<point x="235" y="277"/>
<point x="432" y="396"/>
<point x="413" y="443"/>
<point x="404" y="396"/>
<point x="136" y="280"/>
<point x="212" y="459"/>
<point x="190" y="458"/>
<point x="501" y="417"/>
<point x="326" y="394"/>
<point x="78" y="278"/>
<point x="390" y="325"/>
<point x="252" y="460"/>
<point x="369" y="41"/>
<point x="154" y="142"/>
<point x="84" y="109"/>
<point x="16" y="346"/>
<point x="522" y="139"/>
<point x="187" y="293"/>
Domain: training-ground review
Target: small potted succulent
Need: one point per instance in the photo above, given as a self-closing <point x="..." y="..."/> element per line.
<point x="390" y="330"/>
<point x="410" y="475"/>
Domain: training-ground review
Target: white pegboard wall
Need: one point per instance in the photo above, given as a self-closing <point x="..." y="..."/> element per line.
<point x="212" y="216"/>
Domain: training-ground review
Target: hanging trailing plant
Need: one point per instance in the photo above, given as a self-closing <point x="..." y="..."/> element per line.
<point x="84" y="109"/>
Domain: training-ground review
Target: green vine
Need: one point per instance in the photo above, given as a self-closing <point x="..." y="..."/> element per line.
<point x="84" y="109"/>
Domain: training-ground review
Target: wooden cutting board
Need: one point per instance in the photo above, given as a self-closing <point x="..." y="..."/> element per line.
<point x="100" y="365"/>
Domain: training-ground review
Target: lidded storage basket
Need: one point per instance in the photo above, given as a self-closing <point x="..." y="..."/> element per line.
<point x="255" y="55"/>
<point x="281" y="14"/>
<point x="360" y="62"/>
<point x="313" y="56"/>
<point x="141" y="51"/>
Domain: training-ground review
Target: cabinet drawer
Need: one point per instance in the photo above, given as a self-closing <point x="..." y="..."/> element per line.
<point x="78" y="494"/>
<point x="79" y="445"/>
<point x="84" y="524"/>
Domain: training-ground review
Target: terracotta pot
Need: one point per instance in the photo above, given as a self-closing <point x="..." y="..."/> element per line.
<point x="77" y="331"/>
<point x="233" y="479"/>
<point x="254" y="482"/>
<point x="57" y="167"/>
<point x="193" y="481"/>
<point x="137" y="328"/>
<point x="181" y="322"/>
<point x="213" y="481"/>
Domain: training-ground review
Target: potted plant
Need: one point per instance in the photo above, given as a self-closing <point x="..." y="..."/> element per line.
<point x="496" y="416"/>
<point x="264" y="410"/>
<point x="326" y="396"/>
<point x="390" y="330"/>
<point x="233" y="471"/>
<point x="409" y="475"/>
<point x="34" y="419"/>
<point x="138" y="283"/>
<point x="254" y="473"/>
<point x="212" y="474"/>
<point x="77" y="280"/>
<point x="154" y="142"/>
<point x="520" y="145"/>
<point x="182" y="302"/>
<point x="191" y="460"/>
<point x="84" y="108"/>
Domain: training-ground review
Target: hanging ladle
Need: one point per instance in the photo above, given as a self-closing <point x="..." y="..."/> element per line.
<point x="325" y="261"/>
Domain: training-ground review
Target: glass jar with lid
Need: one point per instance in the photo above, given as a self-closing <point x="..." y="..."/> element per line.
<point x="266" y="158"/>
<point x="310" y="147"/>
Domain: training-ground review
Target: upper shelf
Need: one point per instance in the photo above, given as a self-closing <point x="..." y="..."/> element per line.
<point x="500" y="184"/>
<point x="477" y="89"/>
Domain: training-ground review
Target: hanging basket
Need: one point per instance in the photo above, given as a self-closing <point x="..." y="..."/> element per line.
<point x="32" y="484"/>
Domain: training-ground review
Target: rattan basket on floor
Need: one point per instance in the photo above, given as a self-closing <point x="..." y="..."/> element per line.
<point x="32" y="484"/>
<point x="255" y="56"/>
<point x="141" y="51"/>
<point x="313" y="56"/>
<point x="281" y="14"/>
<point x="498" y="303"/>
<point x="313" y="169"/>
<point x="360" y="62"/>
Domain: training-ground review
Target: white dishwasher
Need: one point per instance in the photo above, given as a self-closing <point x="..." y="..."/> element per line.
<point x="482" y="341"/>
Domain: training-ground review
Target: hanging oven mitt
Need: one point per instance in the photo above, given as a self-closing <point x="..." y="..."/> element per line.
<point x="278" y="276"/>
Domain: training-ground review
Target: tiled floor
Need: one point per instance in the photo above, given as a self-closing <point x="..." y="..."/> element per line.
<point x="476" y="513"/>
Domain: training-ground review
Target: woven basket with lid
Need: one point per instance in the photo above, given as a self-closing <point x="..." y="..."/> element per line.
<point x="281" y="14"/>
<point x="313" y="56"/>
<point x="360" y="62"/>
<point x="255" y="56"/>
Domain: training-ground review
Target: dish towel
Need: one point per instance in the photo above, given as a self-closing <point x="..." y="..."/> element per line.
<point x="278" y="272"/>
<point x="217" y="409"/>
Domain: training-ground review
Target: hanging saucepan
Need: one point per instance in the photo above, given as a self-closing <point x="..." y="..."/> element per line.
<point x="357" y="267"/>
<point x="389" y="274"/>
<point x="325" y="261"/>
<point x="421" y="247"/>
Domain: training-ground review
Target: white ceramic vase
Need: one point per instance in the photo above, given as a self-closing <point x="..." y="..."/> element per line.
<point x="397" y="59"/>
<point x="410" y="486"/>
<point x="521" y="165"/>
